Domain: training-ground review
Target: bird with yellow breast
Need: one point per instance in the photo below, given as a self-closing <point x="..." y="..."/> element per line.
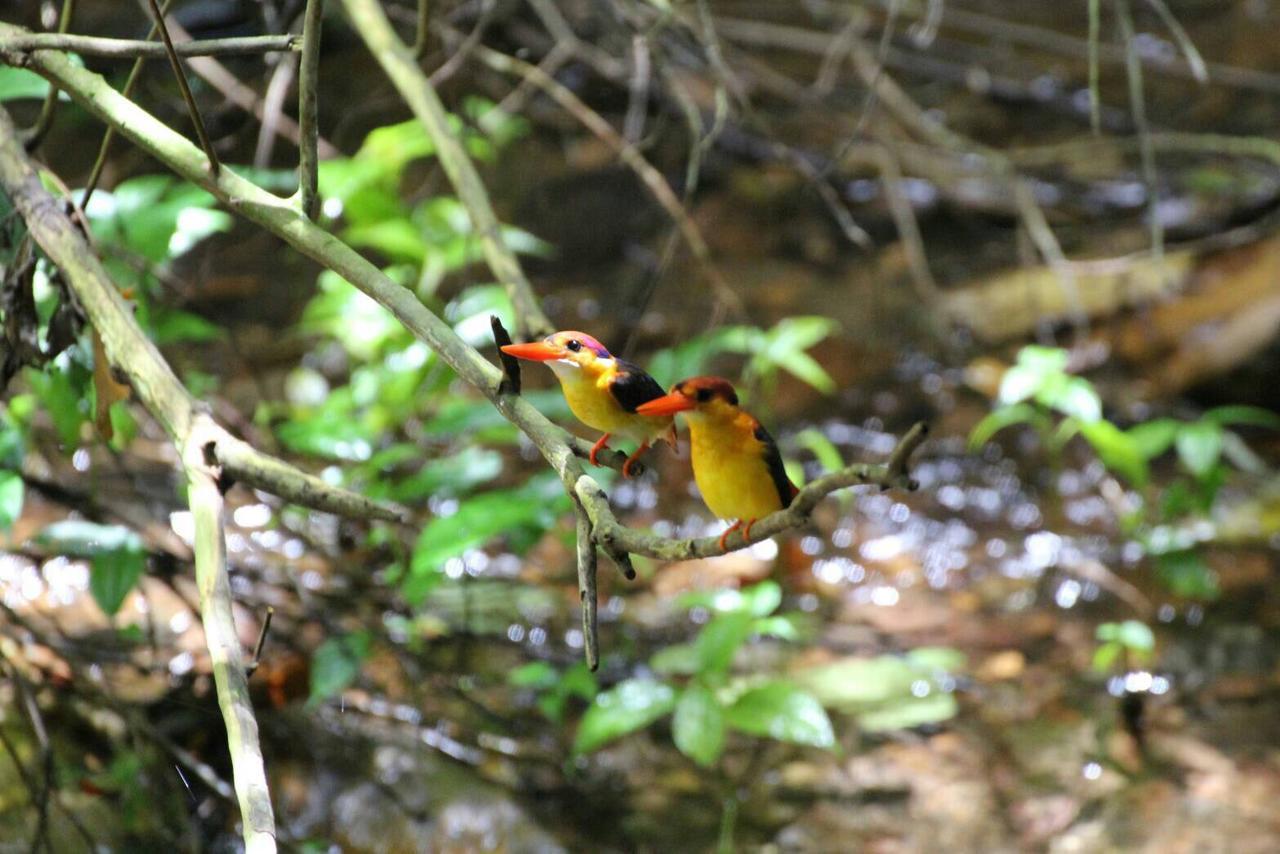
<point x="603" y="391"/>
<point x="736" y="463"/>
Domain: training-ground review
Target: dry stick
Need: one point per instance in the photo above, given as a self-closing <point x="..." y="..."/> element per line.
<point x="185" y="87"/>
<point x="272" y="110"/>
<point x="44" y="121"/>
<point x="108" y="48"/>
<point x="628" y="154"/>
<point x="372" y="24"/>
<point x="309" y="110"/>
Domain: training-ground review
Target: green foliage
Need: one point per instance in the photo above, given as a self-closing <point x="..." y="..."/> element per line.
<point x="890" y="691"/>
<point x="555" y="689"/>
<point x="711" y="702"/>
<point x="1038" y="391"/>
<point x="1130" y="640"/>
<point x="18" y="84"/>
<point x="521" y="514"/>
<point x="12" y="489"/>
<point x="768" y="351"/>
<point x="116" y="554"/>
<point x="336" y="664"/>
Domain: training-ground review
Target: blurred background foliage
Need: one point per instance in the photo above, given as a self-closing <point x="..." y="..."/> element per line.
<point x="1073" y="618"/>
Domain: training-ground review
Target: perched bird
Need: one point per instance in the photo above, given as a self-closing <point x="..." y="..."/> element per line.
<point x="735" y="461"/>
<point x="603" y="391"/>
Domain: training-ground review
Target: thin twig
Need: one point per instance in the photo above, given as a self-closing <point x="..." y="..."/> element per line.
<point x="587" y="566"/>
<point x="1138" y="106"/>
<point x="185" y="87"/>
<point x="1194" y="60"/>
<point x="36" y="134"/>
<point x="256" y="659"/>
<point x="1095" y="90"/>
<point x="95" y="174"/>
<point x="273" y="109"/>
<point x="108" y="48"/>
<point x="657" y="185"/>
<point x="422" y="32"/>
<point x="309" y="109"/>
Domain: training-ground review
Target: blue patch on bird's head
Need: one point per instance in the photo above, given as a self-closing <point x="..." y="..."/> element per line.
<point x="576" y="342"/>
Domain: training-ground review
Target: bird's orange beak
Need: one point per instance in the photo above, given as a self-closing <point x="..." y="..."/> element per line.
<point x="668" y="404"/>
<point x="537" y="351"/>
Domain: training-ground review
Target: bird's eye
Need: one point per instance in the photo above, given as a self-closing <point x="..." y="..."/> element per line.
<point x="574" y="345"/>
<point x="704" y="394"/>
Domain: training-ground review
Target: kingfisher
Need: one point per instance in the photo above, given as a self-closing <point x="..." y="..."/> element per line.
<point x="736" y="463"/>
<point x="603" y="391"/>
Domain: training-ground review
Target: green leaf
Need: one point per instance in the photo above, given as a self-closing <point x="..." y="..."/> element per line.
<point x="57" y="390"/>
<point x="1000" y="418"/>
<point x="941" y="659"/>
<point x="822" y="448"/>
<point x="719" y="640"/>
<point x="535" y="674"/>
<point x="1073" y="397"/>
<point x="522" y="513"/>
<point x="12" y="448"/>
<point x="759" y="600"/>
<point x="1199" y="446"/>
<point x="21" y="84"/>
<point x="336" y="664"/>
<point x="625" y="708"/>
<point x="1044" y="360"/>
<point x="1130" y="634"/>
<point x="781" y="711"/>
<point x="469" y="312"/>
<point x="1153" y="438"/>
<point x="449" y="476"/>
<point x="327" y="437"/>
<point x="676" y="660"/>
<point x="912" y="711"/>
<point x="1253" y="416"/>
<point x="698" y="725"/>
<point x="1018" y="384"/>
<point x="112" y="574"/>
<point x="1117" y="450"/>
<point x="170" y="326"/>
<point x="78" y="538"/>
<point x="11" y="492"/>
<point x="1106" y="655"/>
<point x="783" y="628"/>
<point x="1186" y="574"/>
<point x="805" y="368"/>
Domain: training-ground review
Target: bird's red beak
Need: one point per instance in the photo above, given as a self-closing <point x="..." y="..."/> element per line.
<point x="668" y="404"/>
<point x="538" y="351"/>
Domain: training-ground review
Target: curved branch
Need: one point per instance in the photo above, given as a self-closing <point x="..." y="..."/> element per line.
<point x="613" y="535"/>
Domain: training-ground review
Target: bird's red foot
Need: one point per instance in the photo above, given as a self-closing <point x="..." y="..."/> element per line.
<point x="725" y="536"/>
<point x="746" y="532"/>
<point x="631" y="460"/>
<point x="600" y="445"/>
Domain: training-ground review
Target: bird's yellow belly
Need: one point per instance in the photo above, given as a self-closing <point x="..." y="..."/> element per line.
<point x="734" y="481"/>
<point x="596" y="408"/>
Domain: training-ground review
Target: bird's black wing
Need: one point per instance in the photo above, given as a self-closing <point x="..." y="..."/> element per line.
<point x="773" y="459"/>
<point x="631" y="386"/>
